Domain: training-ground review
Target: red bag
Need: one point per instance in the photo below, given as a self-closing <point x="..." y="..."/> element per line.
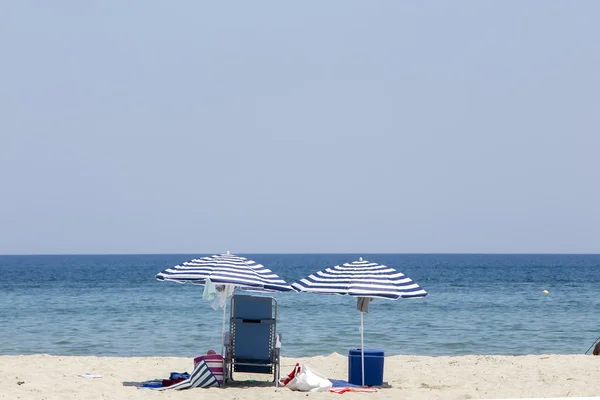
<point x="215" y="364"/>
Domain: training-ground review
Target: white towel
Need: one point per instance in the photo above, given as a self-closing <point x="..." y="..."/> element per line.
<point x="210" y="290"/>
<point x="223" y="292"/>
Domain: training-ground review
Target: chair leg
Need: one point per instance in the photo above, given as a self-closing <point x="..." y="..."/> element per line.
<point x="276" y="368"/>
<point x="227" y="370"/>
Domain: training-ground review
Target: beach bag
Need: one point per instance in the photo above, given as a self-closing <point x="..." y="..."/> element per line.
<point x="214" y="363"/>
<point x="304" y="379"/>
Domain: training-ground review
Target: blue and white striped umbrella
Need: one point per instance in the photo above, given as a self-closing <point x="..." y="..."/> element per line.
<point x="361" y="279"/>
<point x="365" y="280"/>
<point x="226" y="269"/>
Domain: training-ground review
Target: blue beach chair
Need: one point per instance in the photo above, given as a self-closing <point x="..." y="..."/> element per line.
<point x="253" y="345"/>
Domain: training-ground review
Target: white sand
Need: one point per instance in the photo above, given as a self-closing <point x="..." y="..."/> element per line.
<point x="410" y="377"/>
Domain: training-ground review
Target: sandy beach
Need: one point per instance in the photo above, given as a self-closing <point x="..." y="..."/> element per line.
<point x="409" y="377"/>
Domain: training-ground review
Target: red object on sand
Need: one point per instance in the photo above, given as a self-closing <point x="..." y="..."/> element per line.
<point x="170" y="382"/>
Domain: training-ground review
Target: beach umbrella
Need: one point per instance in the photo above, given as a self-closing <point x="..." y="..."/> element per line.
<point x="227" y="270"/>
<point x="364" y="280"/>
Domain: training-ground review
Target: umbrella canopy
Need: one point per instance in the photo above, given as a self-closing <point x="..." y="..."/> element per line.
<point x="365" y="280"/>
<point x="229" y="270"/>
<point x="226" y="269"/>
<point x="361" y="279"/>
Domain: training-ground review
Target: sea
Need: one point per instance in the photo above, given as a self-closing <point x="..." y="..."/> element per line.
<point x="112" y="305"/>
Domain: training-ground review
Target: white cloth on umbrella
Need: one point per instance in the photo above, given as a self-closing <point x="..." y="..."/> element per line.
<point x="210" y="290"/>
<point x="223" y="292"/>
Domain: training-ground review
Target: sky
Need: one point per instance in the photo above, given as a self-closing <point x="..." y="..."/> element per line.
<point x="299" y="127"/>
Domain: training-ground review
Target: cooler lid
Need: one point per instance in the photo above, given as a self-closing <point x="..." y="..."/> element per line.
<point x="358" y="352"/>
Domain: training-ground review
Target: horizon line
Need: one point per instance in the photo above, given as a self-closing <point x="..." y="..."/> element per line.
<point x="294" y="253"/>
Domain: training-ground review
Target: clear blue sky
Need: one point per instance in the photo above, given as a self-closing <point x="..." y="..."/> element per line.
<point x="323" y="126"/>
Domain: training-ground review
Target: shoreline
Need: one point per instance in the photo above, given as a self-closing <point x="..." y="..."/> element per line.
<point x="44" y="376"/>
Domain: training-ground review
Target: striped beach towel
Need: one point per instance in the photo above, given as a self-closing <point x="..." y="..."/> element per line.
<point x="215" y="364"/>
<point x="341" y="386"/>
<point x="341" y="390"/>
<point x="201" y="377"/>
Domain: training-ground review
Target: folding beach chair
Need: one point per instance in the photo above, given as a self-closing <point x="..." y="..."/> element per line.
<point x="252" y="345"/>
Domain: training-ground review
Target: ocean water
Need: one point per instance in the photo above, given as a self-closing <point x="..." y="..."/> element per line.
<point x="112" y="305"/>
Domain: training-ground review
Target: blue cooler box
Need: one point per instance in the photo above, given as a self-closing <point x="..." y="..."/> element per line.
<point x="373" y="367"/>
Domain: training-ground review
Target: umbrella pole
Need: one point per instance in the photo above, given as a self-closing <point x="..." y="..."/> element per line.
<point x="362" y="348"/>
<point x="223" y="328"/>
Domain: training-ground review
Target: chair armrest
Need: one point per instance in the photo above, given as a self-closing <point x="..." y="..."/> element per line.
<point x="278" y="341"/>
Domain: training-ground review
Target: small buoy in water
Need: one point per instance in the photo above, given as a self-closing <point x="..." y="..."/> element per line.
<point x="545" y="291"/>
